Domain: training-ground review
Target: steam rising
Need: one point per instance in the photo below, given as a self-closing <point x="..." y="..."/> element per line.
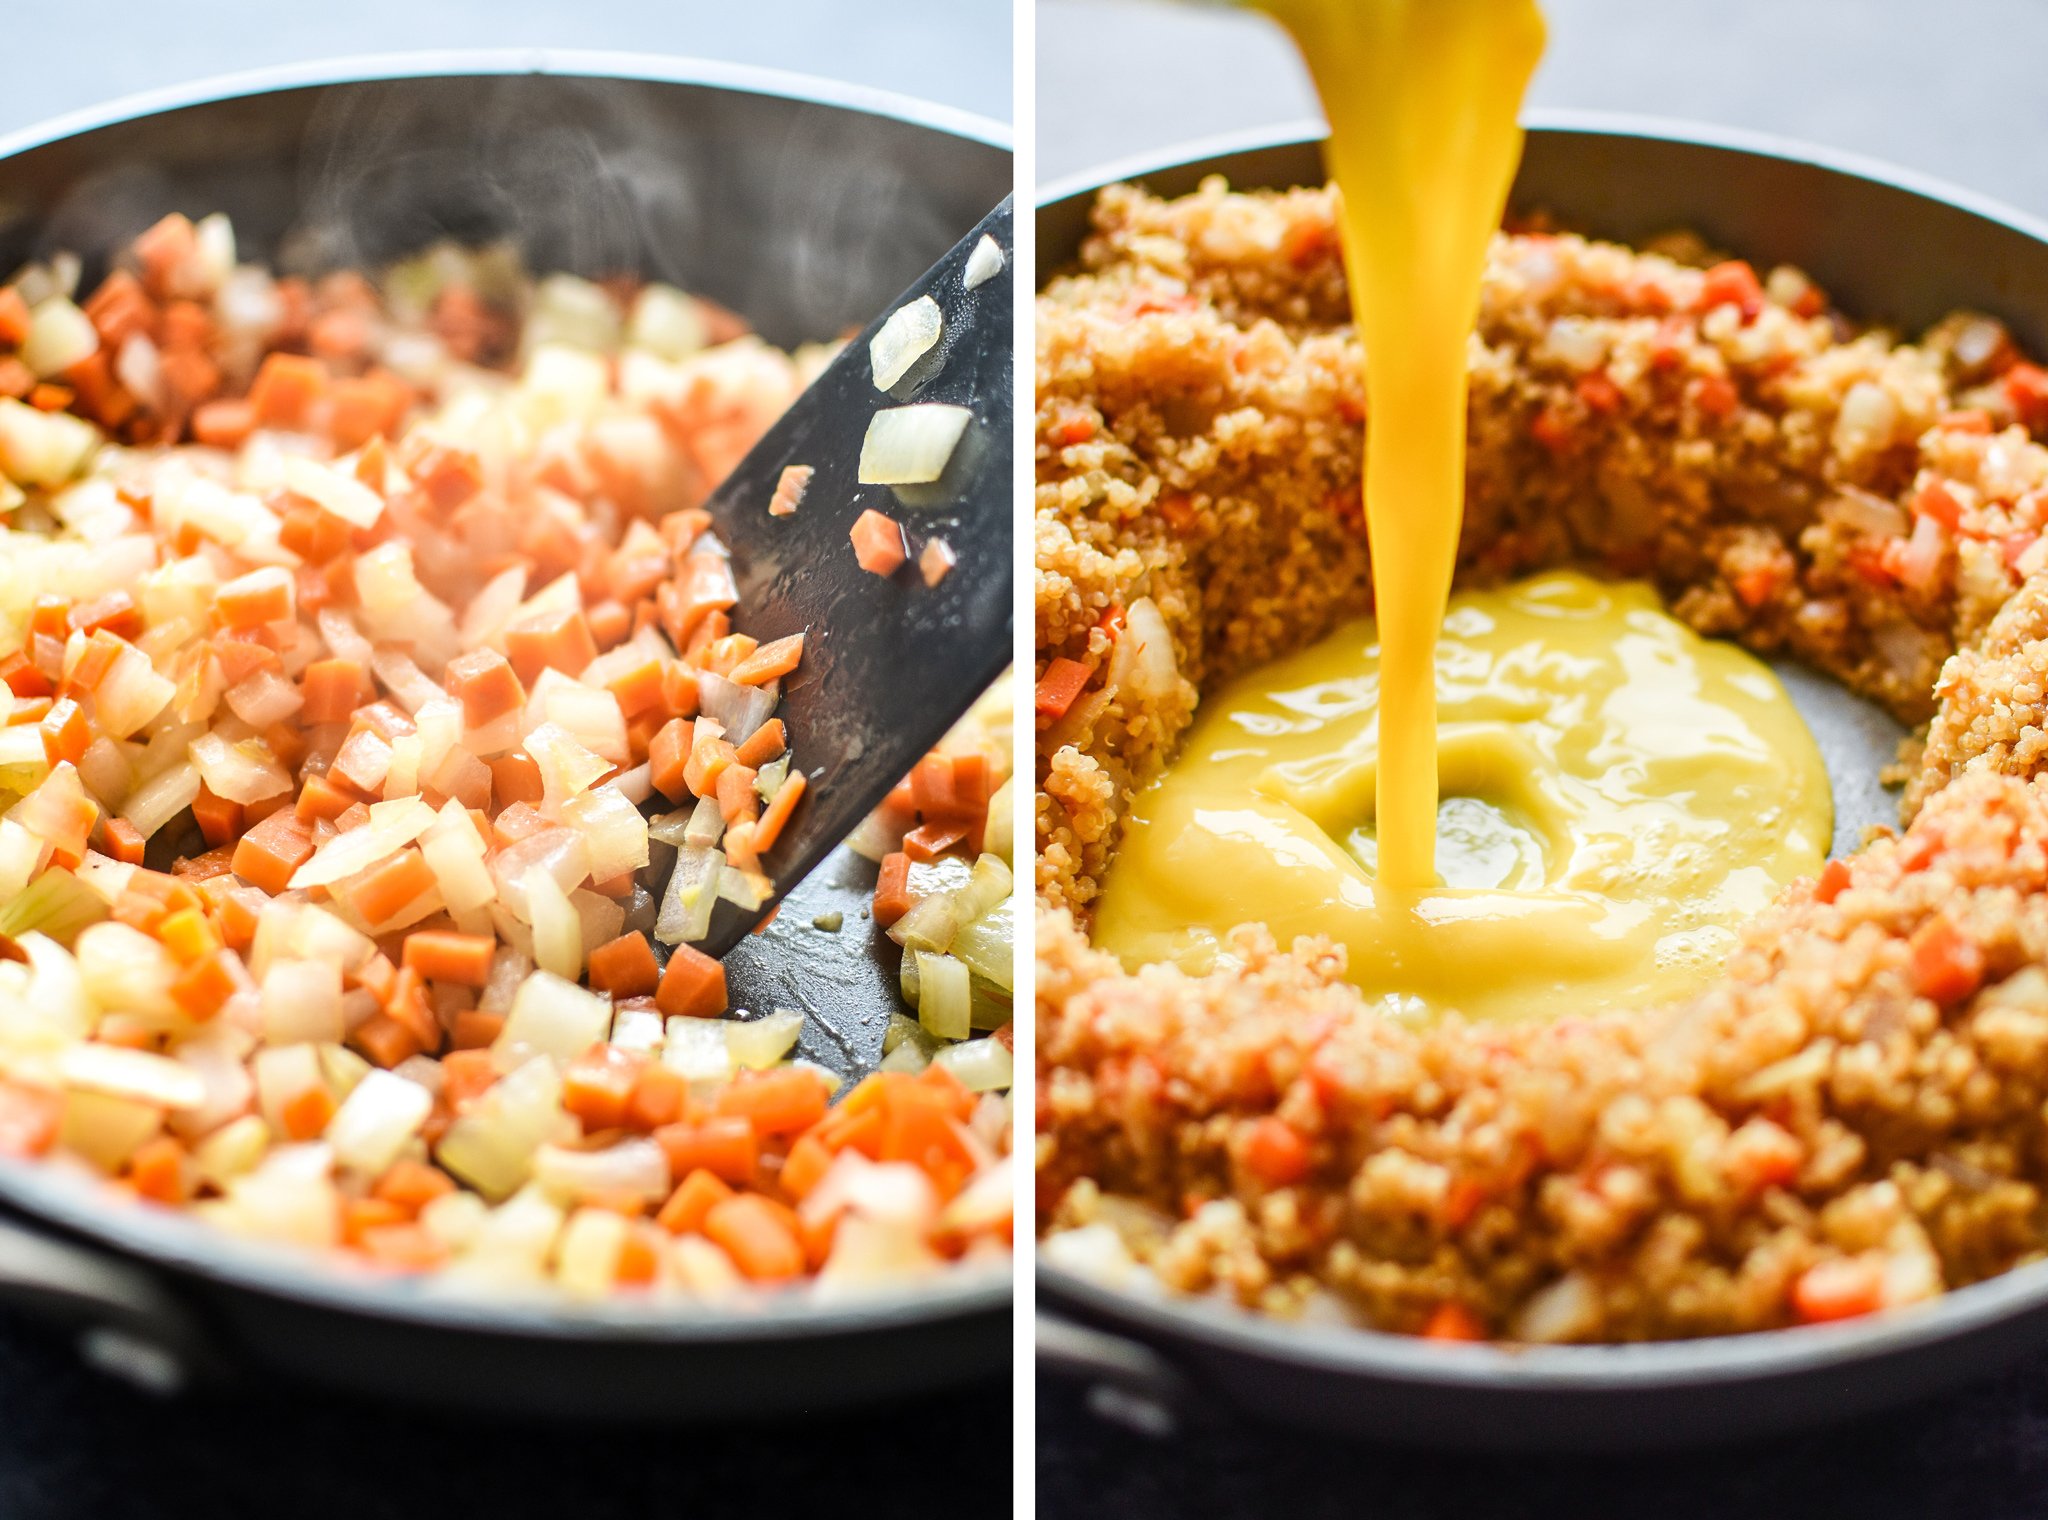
<point x="805" y="218"/>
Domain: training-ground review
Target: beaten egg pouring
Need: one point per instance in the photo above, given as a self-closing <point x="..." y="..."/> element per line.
<point x="1554" y="796"/>
<point x="1618" y="794"/>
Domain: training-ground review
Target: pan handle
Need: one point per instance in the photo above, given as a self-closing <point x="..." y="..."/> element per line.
<point x="127" y="1323"/>
<point x="1128" y="1382"/>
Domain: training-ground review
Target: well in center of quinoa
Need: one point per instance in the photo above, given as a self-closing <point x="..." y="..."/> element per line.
<point x="1619" y="796"/>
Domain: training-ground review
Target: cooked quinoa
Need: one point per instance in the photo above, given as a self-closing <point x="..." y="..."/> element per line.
<point x="1854" y="1116"/>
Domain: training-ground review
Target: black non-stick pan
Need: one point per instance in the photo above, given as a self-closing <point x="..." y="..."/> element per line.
<point x="1887" y="247"/>
<point x="803" y="205"/>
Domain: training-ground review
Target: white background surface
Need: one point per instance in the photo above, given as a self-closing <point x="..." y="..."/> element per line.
<point x="1957" y="88"/>
<point x="956" y="52"/>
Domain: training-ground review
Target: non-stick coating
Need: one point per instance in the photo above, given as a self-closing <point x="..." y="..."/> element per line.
<point x="1886" y="247"/>
<point x="803" y="205"/>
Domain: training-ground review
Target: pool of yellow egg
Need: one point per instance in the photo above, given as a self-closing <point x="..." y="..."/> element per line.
<point x="1618" y="795"/>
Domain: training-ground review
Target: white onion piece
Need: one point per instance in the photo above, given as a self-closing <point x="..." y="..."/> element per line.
<point x="137" y="1075"/>
<point x="160" y="799"/>
<point x="330" y="490"/>
<point x="379" y="1116"/>
<point x="981" y="1065"/>
<point x="759" y="1043"/>
<point x="43" y="448"/>
<point x="696" y="1049"/>
<point x="910" y="445"/>
<point x="392" y="826"/>
<point x="637" y="1167"/>
<point x="552" y="1016"/>
<point x="740" y="710"/>
<point x="911" y="332"/>
<point x="59" y="336"/>
<point x="302" y="1002"/>
<point x="692" y="894"/>
<point x="984" y="262"/>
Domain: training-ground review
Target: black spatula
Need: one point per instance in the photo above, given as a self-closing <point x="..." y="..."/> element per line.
<point x="889" y="663"/>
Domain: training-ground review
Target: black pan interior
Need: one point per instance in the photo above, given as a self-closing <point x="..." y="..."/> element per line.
<point x="1887" y="247"/>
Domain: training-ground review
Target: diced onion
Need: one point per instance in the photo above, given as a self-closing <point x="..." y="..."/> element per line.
<point x="302" y="1001"/>
<point x="393" y="825"/>
<point x="554" y="1017"/>
<point x="375" y="1121"/>
<point x="692" y="894"/>
<point x="910" y="445"/>
<point x="697" y="1049"/>
<point x="243" y="771"/>
<point x="943" y="995"/>
<point x="330" y="490"/>
<point x="981" y="1065"/>
<point x="760" y="1043"/>
<point x="911" y="332"/>
<point x="137" y="1075"/>
<point x="59" y="336"/>
<point x="984" y="261"/>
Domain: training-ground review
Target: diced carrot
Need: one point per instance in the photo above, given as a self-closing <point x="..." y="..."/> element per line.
<point x="391" y="884"/>
<point x="16" y="378"/>
<point x="1946" y="966"/>
<point x="66" y="733"/>
<point x="443" y="956"/>
<point x="597" y="1085"/>
<point x="779" y="1102"/>
<point x="286" y="388"/>
<point x="557" y="640"/>
<point x="164" y="247"/>
<point x="659" y="1094"/>
<point x="668" y="759"/>
<point x="763" y="744"/>
<point x="1063" y="681"/>
<point x="1834" y="880"/>
<point x="1452" y="1321"/>
<point x="467" y="1075"/>
<point x="775" y="658"/>
<point x="29" y="1119"/>
<point x="725" y="1146"/>
<point x="474" y="1029"/>
<point x="776" y="815"/>
<point x="14" y="317"/>
<point x="404" y="1247"/>
<point x="877" y="543"/>
<point x="808" y="1161"/>
<point x="333" y="690"/>
<point x="515" y="777"/>
<point x="218" y="819"/>
<point x="893" y="897"/>
<point x="125" y="842"/>
<point x="638" y="690"/>
<point x="679" y="689"/>
<point x="936" y="560"/>
<point x="695" y="1196"/>
<point x="1715" y="395"/>
<point x="385" y="1040"/>
<point x="2026" y="387"/>
<point x="50" y="397"/>
<point x="708" y="758"/>
<point x="1276" y="1153"/>
<point x="639" y="1259"/>
<point x="693" y="985"/>
<point x="162" y="1171"/>
<point x="320" y="798"/>
<point x="412" y="1185"/>
<point x="928" y="841"/>
<point x="1733" y="282"/>
<point x="361" y="1215"/>
<point x="759" y="1235"/>
<point x="114" y="611"/>
<point x="306" y="1112"/>
<point x="270" y="852"/>
<point x="262" y="596"/>
<point x="368" y="406"/>
<point x="188" y="935"/>
<point x="1839" y="1289"/>
<point x="625" y="967"/>
<point x="737" y="798"/>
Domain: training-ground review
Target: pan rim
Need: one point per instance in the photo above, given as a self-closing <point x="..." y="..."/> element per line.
<point x="564" y="63"/>
<point x="191" y="1254"/>
<point x="1162" y="1320"/>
